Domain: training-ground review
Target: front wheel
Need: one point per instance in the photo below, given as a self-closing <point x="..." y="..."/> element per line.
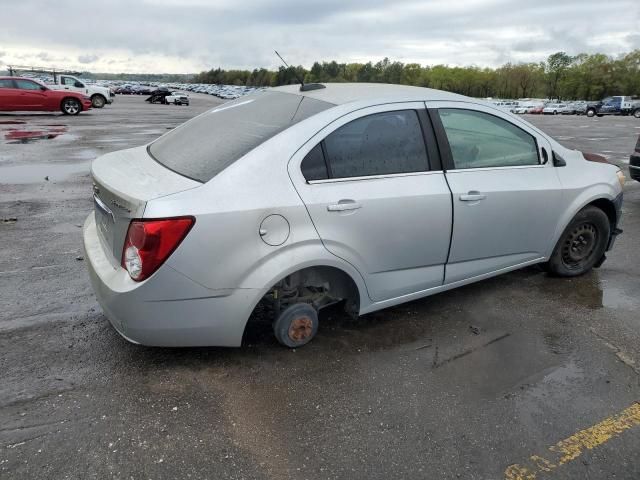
<point x="98" y="101"/>
<point x="581" y="245"/>
<point x="296" y="325"/>
<point x="591" y="113"/>
<point x="636" y="113"/>
<point x="71" y="106"/>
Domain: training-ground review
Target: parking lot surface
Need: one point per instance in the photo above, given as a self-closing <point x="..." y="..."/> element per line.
<point x="519" y="377"/>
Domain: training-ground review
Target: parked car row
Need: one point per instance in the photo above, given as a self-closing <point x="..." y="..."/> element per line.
<point x="615" y="105"/>
<point x="227" y="92"/>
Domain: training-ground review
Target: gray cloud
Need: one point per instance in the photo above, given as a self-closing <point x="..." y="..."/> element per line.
<point x="88" y="58"/>
<point x="174" y="35"/>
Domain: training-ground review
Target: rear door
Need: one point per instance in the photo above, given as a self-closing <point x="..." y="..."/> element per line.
<point x="375" y="200"/>
<point x="8" y="95"/>
<point x="507" y="195"/>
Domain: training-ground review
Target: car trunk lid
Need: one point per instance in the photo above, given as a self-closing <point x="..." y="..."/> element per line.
<point x="123" y="183"/>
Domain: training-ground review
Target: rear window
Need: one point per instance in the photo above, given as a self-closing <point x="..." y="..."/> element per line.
<point x="209" y="143"/>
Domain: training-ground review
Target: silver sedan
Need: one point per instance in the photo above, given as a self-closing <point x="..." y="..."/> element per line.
<point x="302" y="197"/>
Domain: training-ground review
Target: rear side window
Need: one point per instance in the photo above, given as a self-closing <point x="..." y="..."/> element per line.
<point x="481" y="140"/>
<point x="6" y="83"/>
<point x="378" y="144"/>
<point x="209" y="143"/>
<point x="313" y="166"/>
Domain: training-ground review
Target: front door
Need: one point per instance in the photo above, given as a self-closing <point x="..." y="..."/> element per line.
<point x="73" y="84"/>
<point x="506" y="196"/>
<point x="374" y="200"/>
<point x="30" y="95"/>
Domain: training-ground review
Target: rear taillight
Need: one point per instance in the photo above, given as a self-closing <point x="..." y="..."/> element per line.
<point x="150" y="242"/>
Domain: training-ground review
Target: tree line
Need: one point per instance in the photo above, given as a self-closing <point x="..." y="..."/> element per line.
<point x="561" y="76"/>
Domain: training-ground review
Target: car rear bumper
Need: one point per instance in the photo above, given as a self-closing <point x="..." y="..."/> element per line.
<point x="168" y="309"/>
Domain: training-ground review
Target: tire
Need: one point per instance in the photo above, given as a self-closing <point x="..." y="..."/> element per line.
<point x="591" y="113"/>
<point x="296" y="325"/>
<point x="636" y="113"/>
<point x="98" y="101"/>
<point x="581" y="245"/>
<point x="71" y="106"/>
<point x="555" y="112"/>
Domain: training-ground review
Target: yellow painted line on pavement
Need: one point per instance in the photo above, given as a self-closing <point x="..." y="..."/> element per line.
<point x="571" y="448"/>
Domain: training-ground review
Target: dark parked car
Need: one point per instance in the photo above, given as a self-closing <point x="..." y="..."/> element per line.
<point x="158" y="96"/>
<point x="616" y="105"/>
<point x="634" y="162"/>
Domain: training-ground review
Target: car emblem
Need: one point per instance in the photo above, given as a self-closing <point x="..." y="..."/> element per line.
<point x="120" y="206"/>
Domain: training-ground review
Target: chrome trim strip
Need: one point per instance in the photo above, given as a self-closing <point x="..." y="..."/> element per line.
<point x="372" y="177"/>
<point x="103" y="207"/>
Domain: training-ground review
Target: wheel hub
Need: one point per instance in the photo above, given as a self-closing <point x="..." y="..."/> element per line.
<point x="300" y="329"/>
<point x="579" y="245"/>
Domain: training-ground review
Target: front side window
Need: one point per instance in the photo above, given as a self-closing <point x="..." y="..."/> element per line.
<point x="6" y="83"/>
<point x="27" y="85"/>
<point x="481" y="140"/>
<point x="378" y="144"/>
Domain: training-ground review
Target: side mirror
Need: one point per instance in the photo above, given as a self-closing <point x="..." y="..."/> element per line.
<point x="545" y="156"/>
<point x="43" y="88"/>
<point x="78" y="85"/>
<point x="558" y="161"/>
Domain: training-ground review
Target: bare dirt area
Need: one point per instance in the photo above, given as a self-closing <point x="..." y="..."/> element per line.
<point x="519" y="377"/>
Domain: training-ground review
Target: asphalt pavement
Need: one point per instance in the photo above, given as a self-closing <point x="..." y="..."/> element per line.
<point x="519" y="377"/>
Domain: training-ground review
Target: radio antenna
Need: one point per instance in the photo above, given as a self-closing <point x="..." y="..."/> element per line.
<point x="295" y="73"/>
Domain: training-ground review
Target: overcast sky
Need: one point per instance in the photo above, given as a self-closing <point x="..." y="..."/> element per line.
<point x="184" y="36"/>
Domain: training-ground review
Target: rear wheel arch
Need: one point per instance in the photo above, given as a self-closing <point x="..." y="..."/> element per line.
<point x="337" y="283"/>
<point x="324" y="283"/>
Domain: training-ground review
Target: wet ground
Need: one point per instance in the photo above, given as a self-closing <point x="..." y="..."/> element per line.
<point x="463" y="384"/>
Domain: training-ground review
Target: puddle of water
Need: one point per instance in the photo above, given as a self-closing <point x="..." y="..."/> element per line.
<point x="21" y="136"/>
<point x="23" y="174"/>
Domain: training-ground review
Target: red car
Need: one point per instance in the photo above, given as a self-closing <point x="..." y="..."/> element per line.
<point x="18" y="94"/>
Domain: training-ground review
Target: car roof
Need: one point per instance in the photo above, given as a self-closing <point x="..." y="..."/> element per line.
<point x="340" y="93"/>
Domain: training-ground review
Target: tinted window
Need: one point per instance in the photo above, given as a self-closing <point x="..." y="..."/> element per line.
<point x="481" y="140"/>
<point x="313" y="166"/>
<point x="6" y="83"/>
<point x="209" y="143"/>
<point x="27" y="85"/>
<point x="379" y="144"/>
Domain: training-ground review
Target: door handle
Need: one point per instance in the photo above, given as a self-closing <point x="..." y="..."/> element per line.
<point x="472" y="196"/>
<point x="343" y="206"/>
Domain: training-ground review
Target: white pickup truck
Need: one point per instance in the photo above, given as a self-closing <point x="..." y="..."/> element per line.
<point x="100" y="96"/>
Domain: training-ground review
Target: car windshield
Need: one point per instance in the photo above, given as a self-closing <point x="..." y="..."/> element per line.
<point x="206" y="145"/>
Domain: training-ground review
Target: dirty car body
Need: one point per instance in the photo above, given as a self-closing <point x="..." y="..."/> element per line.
<point x="371" y="195"/>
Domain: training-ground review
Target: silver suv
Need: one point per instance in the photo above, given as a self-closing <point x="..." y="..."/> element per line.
<point x="366" y="194"/>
